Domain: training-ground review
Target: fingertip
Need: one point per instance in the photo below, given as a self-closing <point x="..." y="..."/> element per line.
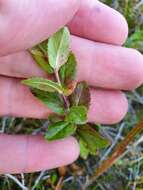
<point x="122" y="28"/>
<point x="107" y="106"/>
<point x="45" y="155"/>
<point x="74" y="149"/>
<point x="116" y="23"/>
<point x="135" y="68"/>
<point x="119" y="111"/>
<point x="26" y="153"/>
<point x="98" y="22"/>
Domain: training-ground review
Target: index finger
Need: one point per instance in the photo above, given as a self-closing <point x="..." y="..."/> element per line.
<point x="25" y="23"/>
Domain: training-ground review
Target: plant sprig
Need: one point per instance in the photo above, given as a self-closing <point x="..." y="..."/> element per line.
<point x="68" y="99"/>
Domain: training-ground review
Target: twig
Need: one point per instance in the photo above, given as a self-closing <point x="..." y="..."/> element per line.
<point x="22" y="179"/>
<point x="59" y="184"/>
<point x="136" y="177"/>
<point x="114" y="143"/>
<point x="46" y="177"/>
<point x="117" y="153"/>
<point x="139" y="98"/>
<point x="3" y="124"/>
<point x="140" y="140"/>
<point x="16" y="181"/>
<point x="138" y="5"/>
<point x="38" y="180"/>
<point x="101" y="186"/>
<point x="68" y="179"/>
<point x="64" y="97"/>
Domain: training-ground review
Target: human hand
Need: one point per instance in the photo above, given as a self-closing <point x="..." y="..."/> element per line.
<point x="102" y="62"/>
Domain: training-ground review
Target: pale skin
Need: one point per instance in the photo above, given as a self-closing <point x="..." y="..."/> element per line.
<point x="98" y="33"/>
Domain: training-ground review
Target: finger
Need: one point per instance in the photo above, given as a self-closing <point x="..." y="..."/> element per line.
<point x="20" y="65"/>
<point x="107" y="106"/>
<point x="108" y="66"/>
<point x="101" y="65"/>
<point x="96" y="21"/>
<point x="17" y="100"/>
<point x="26" y="23"/>
<point x="25" y="154"/>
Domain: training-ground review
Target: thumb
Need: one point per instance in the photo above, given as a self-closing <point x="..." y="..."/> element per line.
<point x="25" y="23"/>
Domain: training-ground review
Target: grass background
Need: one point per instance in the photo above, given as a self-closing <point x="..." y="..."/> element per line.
<point x="127" y="173"/>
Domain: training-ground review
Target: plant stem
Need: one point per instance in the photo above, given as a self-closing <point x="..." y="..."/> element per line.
<point x="16" y="181"/>
<point x="64" y="97"/>
<point x="117" y="153"/>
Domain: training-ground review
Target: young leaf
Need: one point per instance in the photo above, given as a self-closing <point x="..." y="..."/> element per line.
<point x="92" y="138"/>
<point x="68" y="71"/>
<point x="69" y="89"/>
<point x="81" y="95"/>
<point x="51" y="99"/>
<point x="41" y="60"/>
<point x="43" y="47"/>
<point x="60" y="130"/>
<point x="77" y="115"/>
<point x="58" y="48"/>
<point x="66" y="132"/>
<point x="84" y="151"/>
<point x="43" y="84"/>
<point x="36" y="52"/>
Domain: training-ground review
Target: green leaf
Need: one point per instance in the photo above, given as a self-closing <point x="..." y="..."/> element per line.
<point x="54" y="178"/>
<point x="135" y="40"/>
<point x="41" y="60"/>
<point x="81" y="95"/>
<point x="59" y="48"/>
<point x="51" y="99"/>
<point x="43" y="84"/>
<point x="77" y="115"/>
<point x="60" y="130"/>
<point x="84" y="151"/>
<point x="68" y="71"/>
<point x="43" y="47"/>
<point x="92" y="138"/>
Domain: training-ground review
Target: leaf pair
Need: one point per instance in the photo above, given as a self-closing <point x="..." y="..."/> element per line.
<point x="90" y="140"/>
<point x="60" y="130"/>
<point x="53" y="54"/>
<point x="77" y="115"/>
<point x="62" y="60"/>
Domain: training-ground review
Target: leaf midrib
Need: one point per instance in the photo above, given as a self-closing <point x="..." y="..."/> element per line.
<point x="57" y="58"/>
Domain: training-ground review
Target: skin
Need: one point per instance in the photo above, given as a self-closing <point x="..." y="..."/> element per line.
<point x="98" y="32"/>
